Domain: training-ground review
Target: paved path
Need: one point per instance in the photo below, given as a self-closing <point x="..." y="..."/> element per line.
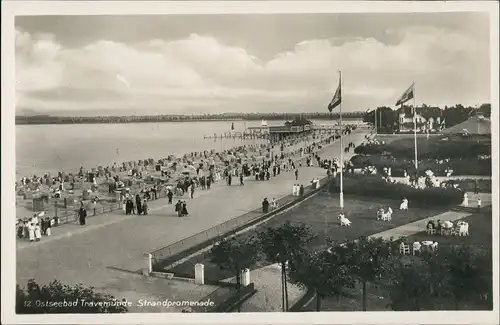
<point x="420" y="225"/>
<point x="85" y="254"/>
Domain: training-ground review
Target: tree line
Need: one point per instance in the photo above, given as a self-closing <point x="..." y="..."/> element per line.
<point x="48" y="119"/>
<point x="388" y="119"/>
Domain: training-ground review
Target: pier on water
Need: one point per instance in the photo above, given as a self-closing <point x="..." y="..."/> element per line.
<point x="237" y="135"/>
<point x="276" y="132"/>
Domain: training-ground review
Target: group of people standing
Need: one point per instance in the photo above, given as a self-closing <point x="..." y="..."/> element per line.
<point x="181" y="208"/>
<point x="140" y="206"/>
<point x="34" y="228"/>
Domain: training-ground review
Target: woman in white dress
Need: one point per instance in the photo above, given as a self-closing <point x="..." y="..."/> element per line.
<point x="465" y="202"/>
<point x="48" y="231"/>
<point x="38" y="232"/>
<point x="31" y="231"/>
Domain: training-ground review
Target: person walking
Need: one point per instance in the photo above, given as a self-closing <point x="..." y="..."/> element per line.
<point x="476" y="186"/>
<point x="178" y="208"/>
<point x="31" y="231"/>
<point x="38" y="233"/>
<point x="82" y="214"/>
<point x="296" y="174"/>
<point x="184" y="210"/>
<point x="145" y="207"/>
<point x="241" y="179"/>
<point x="265" y="205"/>
<point x="170" y="195"/>
<point x="154" y="192"/>
<point x="48" y="227"/>
<point x="479" y="204"/>
<point x="138" y="204"/>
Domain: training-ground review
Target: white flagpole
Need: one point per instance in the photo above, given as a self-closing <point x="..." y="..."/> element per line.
<point x="415" y="127"/>
<point x="341" y="148"/>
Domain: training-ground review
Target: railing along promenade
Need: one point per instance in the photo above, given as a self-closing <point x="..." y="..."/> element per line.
<point x="167" y="255"/>
<point x="64" y="214"/>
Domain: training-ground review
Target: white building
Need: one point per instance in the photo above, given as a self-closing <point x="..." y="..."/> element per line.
<point x="405" y="122"/>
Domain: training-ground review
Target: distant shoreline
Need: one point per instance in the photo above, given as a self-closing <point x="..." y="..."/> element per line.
<point x="49" y="120"/>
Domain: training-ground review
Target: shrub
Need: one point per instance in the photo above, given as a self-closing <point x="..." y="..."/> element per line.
<point x="429" y="149"/>
<point x="58" y="298"/>
<point x="461" y="166"/>
<point x="373" y="185"/>
<point x="468" y="185"/>
<point x="370" y="149"/>
<point x="471" y="166"/>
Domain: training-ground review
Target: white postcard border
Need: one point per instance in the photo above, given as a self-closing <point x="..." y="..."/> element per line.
<point x="13" y="8"/>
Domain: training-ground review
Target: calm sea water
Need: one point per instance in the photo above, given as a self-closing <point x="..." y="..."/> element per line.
<point x="52" y="148"/>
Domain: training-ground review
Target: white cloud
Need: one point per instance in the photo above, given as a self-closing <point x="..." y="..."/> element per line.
<point x="199" y="71"/>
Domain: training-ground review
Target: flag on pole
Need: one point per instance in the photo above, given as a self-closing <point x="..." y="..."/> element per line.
<point x="232" y="127"/>
<point x="336" y="100"/>
<point x="407" y="95"/>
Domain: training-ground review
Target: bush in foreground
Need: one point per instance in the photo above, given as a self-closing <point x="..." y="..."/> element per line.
<point x="57" y="298"/>
<point x="374" y="186"/>
<point x="453" y="277"/>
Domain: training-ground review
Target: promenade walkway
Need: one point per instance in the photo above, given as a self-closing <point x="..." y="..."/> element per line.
<point x="76" y="254"/>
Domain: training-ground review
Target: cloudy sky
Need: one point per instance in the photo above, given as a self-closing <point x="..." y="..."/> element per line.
<point x="102" y="65"/>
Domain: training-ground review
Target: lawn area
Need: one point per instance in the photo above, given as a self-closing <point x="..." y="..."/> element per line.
<point x="320" y="214"/>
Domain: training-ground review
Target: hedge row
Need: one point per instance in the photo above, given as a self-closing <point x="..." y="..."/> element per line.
<point x="464" y="166"/>
<point x="434" y="149"/>
<point x="469" y="185"/>
<point x="374" y="186"/>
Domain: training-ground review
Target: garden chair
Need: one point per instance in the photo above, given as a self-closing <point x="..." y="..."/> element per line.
<point x="416" y="247"/>
<point x="404" y="204"/>
<point x="387" y="216"/>
<point x="434" y="245"/>
<point x="431" y="231"/>
<point x="464" y="230"/>
<point x="345" y="222"/>
<point x="404" y="249"/>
